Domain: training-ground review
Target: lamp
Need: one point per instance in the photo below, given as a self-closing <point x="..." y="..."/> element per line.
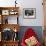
<point x="15" y="3"/>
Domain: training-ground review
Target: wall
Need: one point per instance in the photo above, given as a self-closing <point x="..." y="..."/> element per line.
<point x="27" y="4"/>
<point x="39" y="13"/>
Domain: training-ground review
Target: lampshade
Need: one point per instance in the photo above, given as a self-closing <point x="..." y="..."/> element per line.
<point x="15" y="30"/>
<point x="15" y="3"/>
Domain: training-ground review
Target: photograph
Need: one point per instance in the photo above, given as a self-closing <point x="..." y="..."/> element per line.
<point x="29" y="13"/>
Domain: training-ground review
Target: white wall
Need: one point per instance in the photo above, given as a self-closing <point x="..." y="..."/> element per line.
<point x="39" y="13"/>
<point x="27" y="4"/>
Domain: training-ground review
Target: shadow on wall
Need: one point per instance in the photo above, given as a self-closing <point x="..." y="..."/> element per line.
<point x="37" y="29"/>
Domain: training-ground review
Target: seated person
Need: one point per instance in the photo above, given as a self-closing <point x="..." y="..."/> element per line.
<point x="30" y="38"/>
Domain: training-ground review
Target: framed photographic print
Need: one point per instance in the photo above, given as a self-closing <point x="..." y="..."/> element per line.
<point x="29" y="13"/>
<point x="5" y="12"/>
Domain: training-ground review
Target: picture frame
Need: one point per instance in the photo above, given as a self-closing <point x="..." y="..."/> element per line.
<point x="0" y="36"/>
<point x="13" y="12"/>
<point x="5" y="12"/>
<point x="29" y="13"/>
<point x="0" y="19"/>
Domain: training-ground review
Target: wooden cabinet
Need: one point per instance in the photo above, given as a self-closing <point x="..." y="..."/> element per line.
<point x="0" y="43"/>
<point x="10" y="43"/>
<point x="44" y="37"/>
<point x="7" y="13"/>
<point x="9" y="21"/>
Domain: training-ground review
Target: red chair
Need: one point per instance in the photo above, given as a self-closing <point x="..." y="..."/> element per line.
<point x="29" y="33"/>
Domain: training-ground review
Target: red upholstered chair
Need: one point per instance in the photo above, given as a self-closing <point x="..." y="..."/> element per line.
<point x="29" y="33"/>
